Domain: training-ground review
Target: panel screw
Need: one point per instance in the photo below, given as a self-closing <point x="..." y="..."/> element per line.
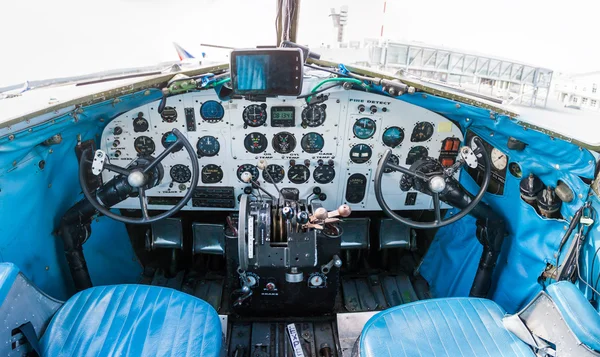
<point x="11" y="137"/>
<point x="47" y="268"/>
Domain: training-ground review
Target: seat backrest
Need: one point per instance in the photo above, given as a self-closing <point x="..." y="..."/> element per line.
<point x="21" y="302"/>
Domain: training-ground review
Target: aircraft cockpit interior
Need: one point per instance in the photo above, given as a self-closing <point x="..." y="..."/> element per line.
<point x="283" y="205"/>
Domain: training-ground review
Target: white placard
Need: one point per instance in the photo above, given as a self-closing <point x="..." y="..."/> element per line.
<point x="250" y="237"/>
<point x="295" y="340"/>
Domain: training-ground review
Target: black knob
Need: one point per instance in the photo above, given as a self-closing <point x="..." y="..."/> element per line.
<point x="330" y="162"/>
<point x="117" y="130"/>
<point x="384" y="109"/>
<point x="292" y="162"/>
<point x="287" y="212"/>
<point x="361" y="108"/>
<point x="322" y="197"/>
<point x="247" y="190"/>
<point x="320" y="162"/>
<point x="317" y="190"/>
<point x="116" y="143"/>
<point x="117" y="153"/>
<point x="307" y="162"/>
<point x="373" y="109"/>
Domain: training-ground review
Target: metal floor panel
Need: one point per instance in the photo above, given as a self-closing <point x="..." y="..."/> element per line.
<point x="271" y="339"/>
<point x="350" y="326"/>
<point x="379" y="292"/>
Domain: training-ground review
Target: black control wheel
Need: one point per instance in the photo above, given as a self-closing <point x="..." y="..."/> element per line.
<point x="431" y="179"/>
<point x="137" y="178"/>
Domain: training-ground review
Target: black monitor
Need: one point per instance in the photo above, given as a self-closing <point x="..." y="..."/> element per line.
<point x="267" y="72"/>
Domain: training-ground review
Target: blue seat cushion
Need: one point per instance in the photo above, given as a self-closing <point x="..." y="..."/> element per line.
<point x="133" y="321"/>
<point x="578" y="313"/>
<point x="441" y="327"/>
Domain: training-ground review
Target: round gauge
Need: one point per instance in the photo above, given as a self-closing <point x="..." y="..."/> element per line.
<point x="208" y="146"/>
<point x="324" y="174"/>
<point x="255" y="143"/>
<point x="364" y="128"/>
<point x="140" y="124"/>
<point x="180" y="173"/>
<point x="314" y="115"/>
<point x="422" y="132"/>
<point x="144" y="145"/>
<point x="312" y="143"/>
<point x="169" y="138"/>
<point x="317" y="280"/>
<point x="298" y="174"/>
<point x="515" y="170"/>
<point x="395" y="160"/>
<point x="360" y="153"/>
<point x="284" y="142"/>
<point x="169" y="114"/>
<point x="393" y="136"/>
<point x="211" y="173"/>
<point x="212" y="111"/>
<point x="275" y="172"/>
<point x="255" y="115"/>
<point x="253" y="170"/>
<point x="499" y="159"/>
<point x="416" y="153"/>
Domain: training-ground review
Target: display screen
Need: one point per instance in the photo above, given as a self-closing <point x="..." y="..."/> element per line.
<point x="283" y="116"/>
<point x="268" y="72"/>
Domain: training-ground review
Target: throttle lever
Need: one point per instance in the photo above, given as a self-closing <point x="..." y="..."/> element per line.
<point x="335" y="261"/>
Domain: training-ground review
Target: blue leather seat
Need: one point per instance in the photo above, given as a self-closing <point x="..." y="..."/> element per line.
<point x="441" y="327"/>
<point x="132" y="321"/>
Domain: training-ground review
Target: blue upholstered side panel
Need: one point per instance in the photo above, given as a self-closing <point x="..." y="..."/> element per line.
<point x="451" y="327"/>
<point x="532" y="241"/>
<point x="578" y="313"/>
<point x="133" y="321"/>
<point x="39" y="183"/>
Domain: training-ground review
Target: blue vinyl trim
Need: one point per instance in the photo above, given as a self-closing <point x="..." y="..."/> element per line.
<point x="8" y="274"/>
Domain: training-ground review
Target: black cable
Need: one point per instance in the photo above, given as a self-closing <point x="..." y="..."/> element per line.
<point x="318" y="91"/>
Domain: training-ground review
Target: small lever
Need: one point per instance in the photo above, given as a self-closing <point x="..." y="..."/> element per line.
<point x="335" y="261"/>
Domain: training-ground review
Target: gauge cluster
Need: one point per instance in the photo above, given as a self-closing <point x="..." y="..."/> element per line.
<point x="333" y="145"/>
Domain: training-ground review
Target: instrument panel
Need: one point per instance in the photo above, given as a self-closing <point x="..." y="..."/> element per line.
<point x="335" y="145"/>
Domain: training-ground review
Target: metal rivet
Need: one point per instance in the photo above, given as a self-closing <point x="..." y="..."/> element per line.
<point x="47" y="268"/>
<point x="457" y="105"/>
<point x="11" y="137"/>
<point x="467" y="119"/>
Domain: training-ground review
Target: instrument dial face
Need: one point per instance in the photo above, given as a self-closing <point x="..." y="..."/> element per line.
<point x="255" y="115"/>
<point x="416" y="153"/>
<point x="169" y="138"/>
<point x="212" y="111"/>
<point x="140" y="124"/>
<point x="312" y="143"/>
<point x="364" y="128"/>
<point x="284" y="142"/>
<point x="208" y="146"/>
<point x="499" y="159"/>
<point x="169" y="114"/>
<point x="255" y="143"/>
<point x="324" y="174"/>
<point x="253" y="170"/>
<point x="298" y="174"/>
<point x="393" y="136"/>
<point x="211" y="173"/>
<point x="360" y="153"/>
<point x="276" y="172"/>
<point x="180" y="173"/>
<point x="394" y="160"/>
<point x="314" y="115"/>
<point x="422" y="132"/>
<point x="144" y="145"/>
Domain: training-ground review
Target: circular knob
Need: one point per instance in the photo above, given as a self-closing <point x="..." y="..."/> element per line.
<point x="287" y="212"/>
<point x="246" y="177"/>
<point x="270" y="286"/>
<point x="344" y="210"/>
<point x="320" y="162"/>
<point x="262" y="164"/>
<point x="247" y="190"/>
<point x="373" y="109"/>
<point x="116" y="143"/>
<point x="302" y="217"/>
<point x="361" y="108"/>
<point x="117" y="153"/>
<point x="321" y="214"/>
<point x="322" y="197"/>
<point x="307" y="162"/>
<point x="317" y="190"/>
<point x="117" y="130"/>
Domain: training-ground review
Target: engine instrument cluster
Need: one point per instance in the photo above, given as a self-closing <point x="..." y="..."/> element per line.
<point x="334" y="145"/>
